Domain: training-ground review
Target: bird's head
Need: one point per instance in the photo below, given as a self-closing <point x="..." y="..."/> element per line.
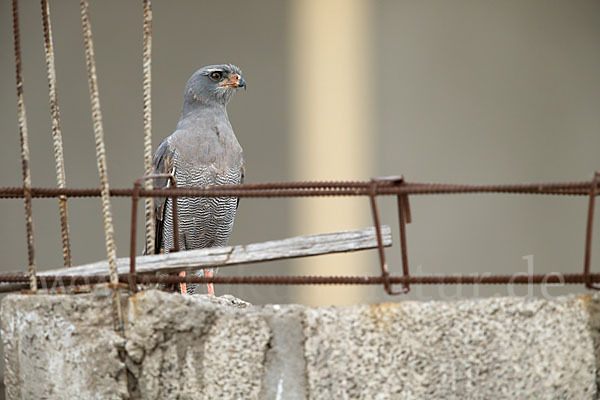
<point x="214" y="84"/>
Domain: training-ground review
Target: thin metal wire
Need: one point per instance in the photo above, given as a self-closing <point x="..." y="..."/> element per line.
<point x="23" y="134"/>
<point x="147" y="85"/>
<point x="101" y="161"/>
<point x="56" y="132"/>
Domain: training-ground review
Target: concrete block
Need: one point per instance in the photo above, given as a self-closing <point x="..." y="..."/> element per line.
<point x="194" y="347"/>
<point x="61" y="345"/>
<point x="202" y="347"/>
<point x="499" y="348"/>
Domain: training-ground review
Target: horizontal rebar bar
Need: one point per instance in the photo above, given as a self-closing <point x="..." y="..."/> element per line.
<point x="305" y="189"/>
<point x="550" y="278"/>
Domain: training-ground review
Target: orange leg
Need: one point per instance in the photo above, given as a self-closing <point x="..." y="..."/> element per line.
<point x="211" y="289"/>
<point x="182" y="285"/>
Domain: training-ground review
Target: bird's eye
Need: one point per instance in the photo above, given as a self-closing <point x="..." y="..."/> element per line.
<point x="216" y="76"/>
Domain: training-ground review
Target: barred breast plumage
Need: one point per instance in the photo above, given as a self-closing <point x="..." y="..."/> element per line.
<point x="203" y="222"/>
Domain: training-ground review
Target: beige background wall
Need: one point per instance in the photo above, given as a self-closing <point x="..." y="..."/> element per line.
<point x="482" y="92"/>
<point x="461" y="91"/>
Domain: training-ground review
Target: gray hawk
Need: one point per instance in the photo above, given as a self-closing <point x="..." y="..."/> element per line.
<point x="203" y="151"/>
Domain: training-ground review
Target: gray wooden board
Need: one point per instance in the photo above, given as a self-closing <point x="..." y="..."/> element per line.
<point x="299" y="246"/>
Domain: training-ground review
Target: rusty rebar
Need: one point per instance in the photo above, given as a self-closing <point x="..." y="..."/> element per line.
<point x="175" y="212"/>
<point x="147" y="110"/>
<point x="306" y="189"/>
<point x="404" y="218"/>
<point x="24" y="140"/>
<point x="99" y="137"/>
<point x="382" y="187"/>
<point x="133" y="233"/>
<point x="382" y="263"/>
<point x="133" y="230"/>
<point x="56" y="132"/>
<point x="588" y="232"/>
<point x="109" y="236"/>
<point x="484" y="279"/>
<point x="403" y="214"/>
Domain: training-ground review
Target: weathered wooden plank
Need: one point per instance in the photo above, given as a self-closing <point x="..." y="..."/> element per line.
<point x="299" y="246"/>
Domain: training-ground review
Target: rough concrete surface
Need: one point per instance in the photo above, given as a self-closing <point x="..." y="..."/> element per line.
<point x="198" y="347"/>
<point x="60" y="345"/>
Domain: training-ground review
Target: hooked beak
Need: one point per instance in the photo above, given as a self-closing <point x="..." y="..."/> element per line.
<point x="236" y="81"/>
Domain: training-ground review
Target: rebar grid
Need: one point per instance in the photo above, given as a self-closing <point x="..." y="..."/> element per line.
<point x="376" y="187"/>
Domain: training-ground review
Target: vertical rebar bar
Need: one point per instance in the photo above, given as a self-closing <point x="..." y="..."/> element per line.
<point x="403" y="218"/>
<point x="56" y="132"/>
<point x="111" y="249"/>
<point x="135" y="196"/>
<point x="588" y="233"/>
<point x="23" y="134"/>
<point x="147" y="85"/>
<point x="175" y="211"/>
<point x="384" y="270"/>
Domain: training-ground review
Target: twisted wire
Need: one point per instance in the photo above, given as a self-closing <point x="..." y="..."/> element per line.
<point x="147" y="85"/>
<point x="23" y="134"/>
<point x="56" y="132"/>
<point x="111" y="248"/>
